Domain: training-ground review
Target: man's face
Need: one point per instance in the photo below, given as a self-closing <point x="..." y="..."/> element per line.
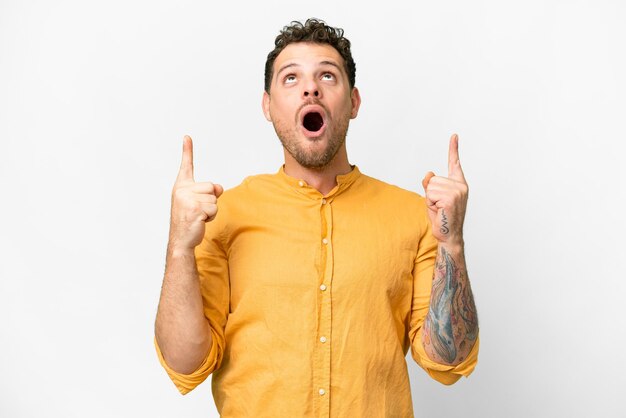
<point x="310" y="102"/>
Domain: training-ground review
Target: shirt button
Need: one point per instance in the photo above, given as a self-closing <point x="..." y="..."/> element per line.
<point x="323" y="287"/>
<point x="323" y="201"/>
<point x="325" y="241"/>
<point x="323" y="339"/>
<point x="301" y="183"/>
<point x="322" y="391"/>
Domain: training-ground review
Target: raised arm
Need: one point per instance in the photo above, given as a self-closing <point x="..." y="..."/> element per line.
<point x="181" y="329"/>
<point x="451" y="325"/>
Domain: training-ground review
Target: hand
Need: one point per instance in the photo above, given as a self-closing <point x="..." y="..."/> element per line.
<point x="446" y="198"/>
<point x="193" y="204"/>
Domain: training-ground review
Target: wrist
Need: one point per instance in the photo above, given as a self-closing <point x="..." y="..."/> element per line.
<point x="453" y="245"/>
<point x="179" y="251"/>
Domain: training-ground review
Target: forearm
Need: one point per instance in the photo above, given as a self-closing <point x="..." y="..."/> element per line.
<point x="181" y="329"/>
<point x="451" y="326"/>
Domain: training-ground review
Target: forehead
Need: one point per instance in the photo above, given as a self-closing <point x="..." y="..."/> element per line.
<point x="304" y="53"/>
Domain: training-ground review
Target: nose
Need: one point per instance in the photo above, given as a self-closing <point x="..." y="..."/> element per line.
<point x="311" y="89"/>
<point x="311" y="92"/>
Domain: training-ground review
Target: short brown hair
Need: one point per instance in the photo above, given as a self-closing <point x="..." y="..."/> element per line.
<point x="316" y="31"/>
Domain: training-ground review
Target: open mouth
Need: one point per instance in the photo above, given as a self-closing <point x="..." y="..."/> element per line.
<point x="313" y="121"/>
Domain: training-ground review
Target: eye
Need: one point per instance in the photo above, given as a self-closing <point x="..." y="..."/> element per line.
<point x="328" y="76"/>
<point x="290" y="79"/>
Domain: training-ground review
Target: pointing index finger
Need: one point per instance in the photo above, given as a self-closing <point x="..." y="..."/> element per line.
<point x="186" y="165"/>
<point x="454" y="164"/>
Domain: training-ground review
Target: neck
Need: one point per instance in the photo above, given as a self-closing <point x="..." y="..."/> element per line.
<point x="323" y="179"/>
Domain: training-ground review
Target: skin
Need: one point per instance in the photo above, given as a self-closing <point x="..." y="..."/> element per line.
<point x="181" y="329"/>
<point x="451" y="326"/>
<point x="312" y="73"/>
<point x="307" y="74"/>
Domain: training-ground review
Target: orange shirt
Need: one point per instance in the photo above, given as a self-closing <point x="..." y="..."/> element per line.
<point x="314" y="300"/>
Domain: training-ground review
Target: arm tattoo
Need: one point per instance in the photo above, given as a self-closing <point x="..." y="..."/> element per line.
<point x="451" y="325"/>
<point x="444" y="223"/>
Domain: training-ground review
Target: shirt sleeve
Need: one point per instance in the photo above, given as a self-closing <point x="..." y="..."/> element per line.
<point x="185" y="383"/>
<point x="212" y="265"/>
<point x="422" y="285"/>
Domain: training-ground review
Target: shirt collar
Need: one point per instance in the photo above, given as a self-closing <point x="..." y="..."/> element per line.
<point x="344" y="181"/>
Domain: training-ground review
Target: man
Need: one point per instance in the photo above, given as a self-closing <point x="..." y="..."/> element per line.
<point x="304" y="294"/>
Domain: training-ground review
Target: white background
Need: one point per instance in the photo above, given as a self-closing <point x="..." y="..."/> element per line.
<point x="95" y="98"/>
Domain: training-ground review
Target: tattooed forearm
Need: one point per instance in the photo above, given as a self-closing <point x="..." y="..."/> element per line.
<point x="451" y="326"/>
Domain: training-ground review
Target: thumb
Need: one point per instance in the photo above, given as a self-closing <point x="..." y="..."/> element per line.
<point x="217" y="189"/>
<point x="426" y="180"/>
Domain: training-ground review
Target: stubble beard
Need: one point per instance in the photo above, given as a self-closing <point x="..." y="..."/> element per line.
<point x="298" y="149"/>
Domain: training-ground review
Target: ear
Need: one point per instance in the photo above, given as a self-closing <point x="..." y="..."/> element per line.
<point x="266" y="106"/>
<point x="356" y="102"/>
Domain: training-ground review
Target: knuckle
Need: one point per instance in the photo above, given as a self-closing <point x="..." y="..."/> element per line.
<point x="197" y="207"/>
<point x="178" y="189"/>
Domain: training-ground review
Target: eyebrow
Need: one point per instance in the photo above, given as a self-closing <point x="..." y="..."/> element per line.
<point x="293" y="64"/>
<point x="334" y="64"/>
<point x="284" y="67"/>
